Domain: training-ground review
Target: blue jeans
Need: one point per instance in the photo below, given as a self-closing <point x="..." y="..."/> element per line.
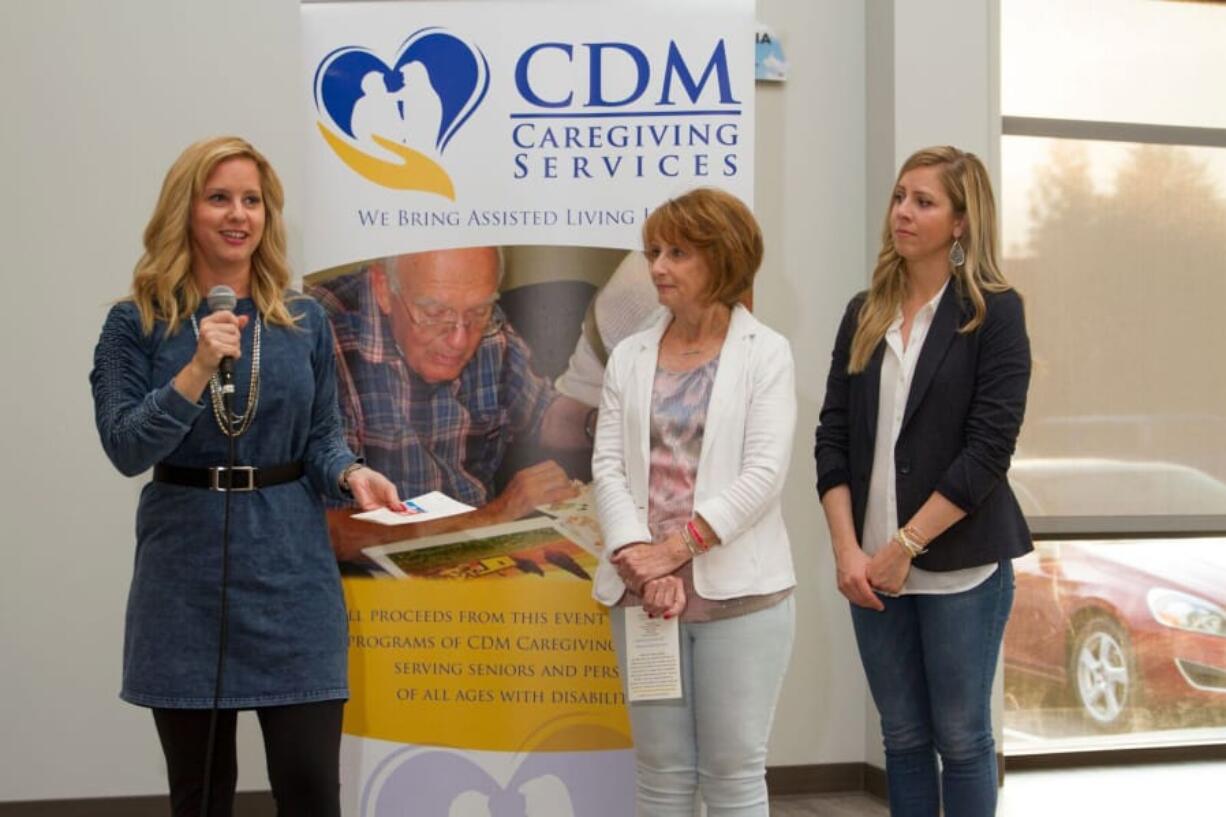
<point x="930" y="661"/>
<point x="713" y="739"/>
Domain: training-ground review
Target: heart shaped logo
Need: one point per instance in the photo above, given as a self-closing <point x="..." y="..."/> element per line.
<point x="450" y="783"/>
<point x="392" y="123"/>
<point x="543" y="779"/>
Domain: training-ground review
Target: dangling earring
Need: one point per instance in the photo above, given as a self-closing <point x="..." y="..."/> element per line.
<point x="957" y="256"/>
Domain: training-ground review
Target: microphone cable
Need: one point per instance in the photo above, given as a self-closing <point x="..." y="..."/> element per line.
<point x="210" y="746"/>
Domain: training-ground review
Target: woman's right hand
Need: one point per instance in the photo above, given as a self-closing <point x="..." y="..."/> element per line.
<point x="221" y="336"/>
<point x="639" y="563"/>
<point x="664" y="596"/>
<point x="851" y="566"/>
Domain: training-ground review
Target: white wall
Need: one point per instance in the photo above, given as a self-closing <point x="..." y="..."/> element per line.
<point x="105" y="95"/>
<point x="809" y="195"/>
<point x="932" y="80"/>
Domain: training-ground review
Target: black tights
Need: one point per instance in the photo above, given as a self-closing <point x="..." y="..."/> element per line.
<point x="302" y="743"/>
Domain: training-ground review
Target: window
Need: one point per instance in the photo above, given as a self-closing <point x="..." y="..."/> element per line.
<point x="1132" y="61"/>
<point x="1120" y="251"/>
<point x="1113" y="202"/>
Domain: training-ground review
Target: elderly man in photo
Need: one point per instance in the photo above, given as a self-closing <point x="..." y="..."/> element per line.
<point x="434" y="384"/>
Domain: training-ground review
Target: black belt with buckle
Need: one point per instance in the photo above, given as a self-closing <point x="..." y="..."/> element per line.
<point x="223" y="478"/>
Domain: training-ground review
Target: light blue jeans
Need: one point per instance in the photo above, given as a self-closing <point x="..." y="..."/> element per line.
<point x="713" y="739"/>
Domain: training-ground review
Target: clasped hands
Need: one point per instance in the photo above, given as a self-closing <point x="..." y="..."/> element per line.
<point x="859" y="575"/>
<point x="647" y="570"/>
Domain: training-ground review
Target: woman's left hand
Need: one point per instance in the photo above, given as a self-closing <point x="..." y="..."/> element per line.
<point x="638" y="564"/>
<point x="888" y="569"/>
<point x="372" y="490"/>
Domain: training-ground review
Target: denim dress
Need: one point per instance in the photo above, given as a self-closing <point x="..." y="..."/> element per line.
<point x="287" y="629"/>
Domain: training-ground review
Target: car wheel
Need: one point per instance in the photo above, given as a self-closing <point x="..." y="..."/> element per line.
<point x="1101" y="674"/>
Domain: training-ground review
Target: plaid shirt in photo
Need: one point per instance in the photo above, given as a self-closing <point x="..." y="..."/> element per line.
<point x="449" y="437"/>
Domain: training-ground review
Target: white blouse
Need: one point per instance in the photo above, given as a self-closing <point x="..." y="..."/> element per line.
<point x="881" y="515"/>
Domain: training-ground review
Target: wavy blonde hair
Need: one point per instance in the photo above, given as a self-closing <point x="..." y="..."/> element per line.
<point x="162" y="285"/>
<point x="965" y="180"/>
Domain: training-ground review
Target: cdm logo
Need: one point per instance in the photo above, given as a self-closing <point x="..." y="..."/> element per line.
<point x="392" y="121"/>
<point x="558" y="59"/>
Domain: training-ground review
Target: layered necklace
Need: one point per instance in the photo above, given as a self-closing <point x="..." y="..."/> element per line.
<point x="242" y="422"/>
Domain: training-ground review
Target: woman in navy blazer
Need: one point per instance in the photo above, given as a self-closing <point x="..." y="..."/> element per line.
<point x="692" y="447"/>
<point x="924" y="401"/>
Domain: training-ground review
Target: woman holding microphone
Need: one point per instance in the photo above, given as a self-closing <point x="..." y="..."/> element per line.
<point x="258" y="623"/>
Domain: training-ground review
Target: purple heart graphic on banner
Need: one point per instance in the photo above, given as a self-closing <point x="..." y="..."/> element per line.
<point x="446" y="783"/>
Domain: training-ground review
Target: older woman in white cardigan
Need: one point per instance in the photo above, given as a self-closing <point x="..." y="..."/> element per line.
<point x="692" y="446"/>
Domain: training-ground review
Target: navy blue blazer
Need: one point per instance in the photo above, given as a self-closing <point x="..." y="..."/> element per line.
<point x="959" y="428"/>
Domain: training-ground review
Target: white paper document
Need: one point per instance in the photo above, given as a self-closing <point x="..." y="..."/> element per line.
<point x="434" y="505"/>
<point x="653" y="657"/>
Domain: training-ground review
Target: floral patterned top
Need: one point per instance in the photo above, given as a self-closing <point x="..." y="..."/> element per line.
<point x="678" y="416"/>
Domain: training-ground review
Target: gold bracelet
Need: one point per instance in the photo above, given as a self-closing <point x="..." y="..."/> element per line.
<point x="688" y="540"/>
<point x="912" y="547"/>
<point x="343" y="480"/>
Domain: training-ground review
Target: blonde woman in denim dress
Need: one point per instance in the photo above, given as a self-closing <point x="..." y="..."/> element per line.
<point x="218" y="222"/>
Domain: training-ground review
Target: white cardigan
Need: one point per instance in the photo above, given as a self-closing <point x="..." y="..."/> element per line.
<point x="746" y="445"/>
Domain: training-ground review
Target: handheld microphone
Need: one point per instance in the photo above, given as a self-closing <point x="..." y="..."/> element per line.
<point x="222" y="299"/>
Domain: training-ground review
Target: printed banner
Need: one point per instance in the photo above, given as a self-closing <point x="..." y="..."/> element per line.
<point x="477" y="172"/>
<point x="457" y="124"/>
<point x="470" y="694"/>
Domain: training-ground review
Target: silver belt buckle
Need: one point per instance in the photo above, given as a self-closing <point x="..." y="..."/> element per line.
<point x="216" y="483"/>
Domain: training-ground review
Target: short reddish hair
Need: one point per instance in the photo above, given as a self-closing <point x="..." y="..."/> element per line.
<point x="721" y="229"/>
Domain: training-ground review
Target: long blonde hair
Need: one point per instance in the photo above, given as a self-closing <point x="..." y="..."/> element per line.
<point x="162" y="286"/>
<point x="966" y="182"/>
